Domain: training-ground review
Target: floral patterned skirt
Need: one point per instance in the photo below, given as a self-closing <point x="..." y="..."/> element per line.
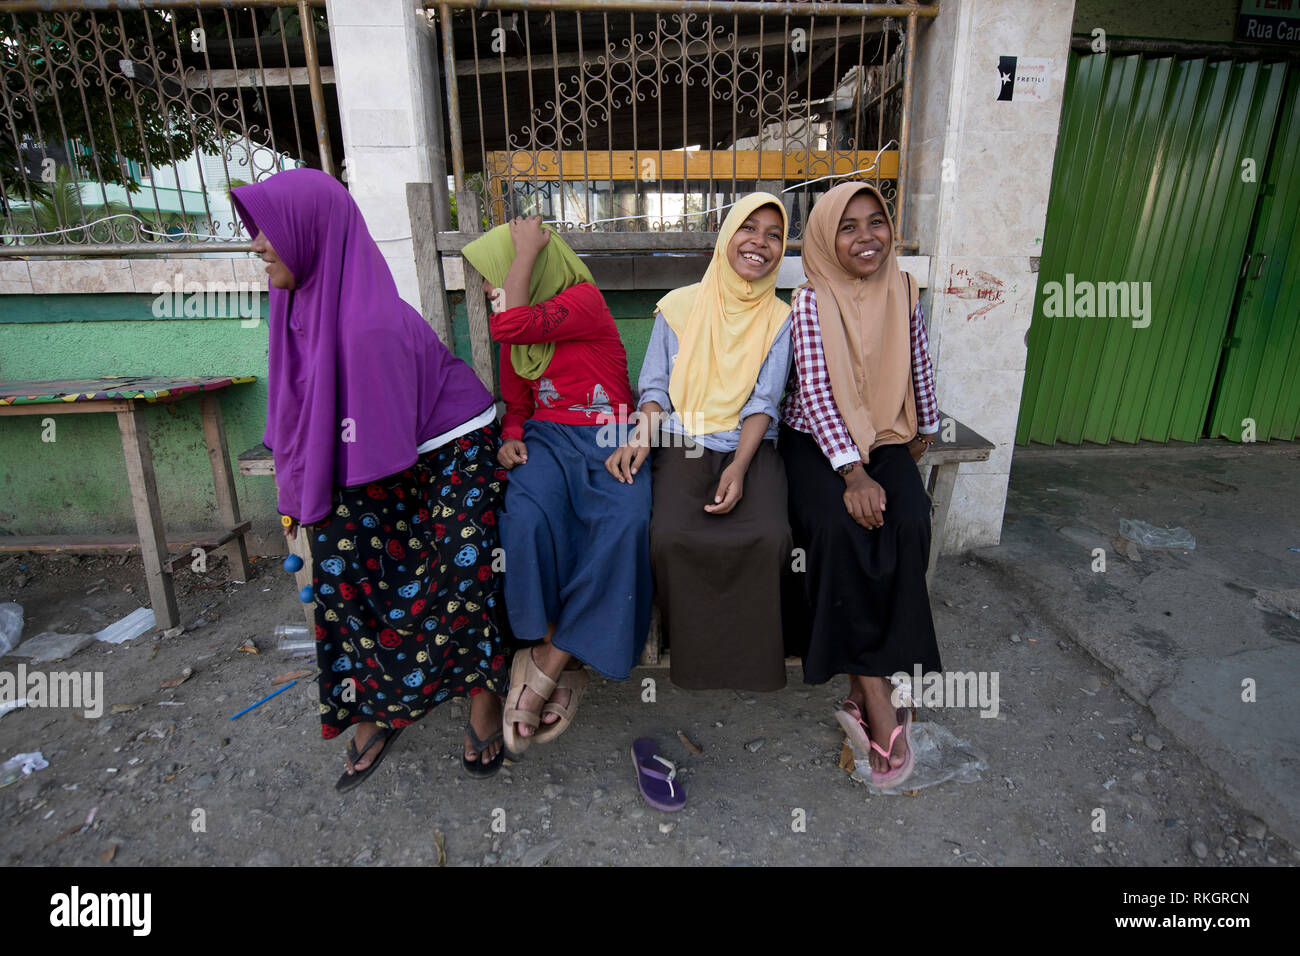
<point x="409" y="611"/>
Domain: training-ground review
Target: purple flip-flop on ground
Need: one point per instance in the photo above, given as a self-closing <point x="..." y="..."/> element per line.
<point x="657" y="777"/>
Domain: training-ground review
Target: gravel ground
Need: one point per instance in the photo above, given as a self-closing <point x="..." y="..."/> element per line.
<point x="1067" y="742"/>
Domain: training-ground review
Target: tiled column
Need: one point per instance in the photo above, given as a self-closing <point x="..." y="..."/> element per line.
<point x="383" y="57"/>
<point x="980" y="176"/>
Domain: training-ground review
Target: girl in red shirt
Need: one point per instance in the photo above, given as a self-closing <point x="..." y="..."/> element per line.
<point x="577" y="575"/>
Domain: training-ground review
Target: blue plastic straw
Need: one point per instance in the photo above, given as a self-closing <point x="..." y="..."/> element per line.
<point x="264" y="699"/>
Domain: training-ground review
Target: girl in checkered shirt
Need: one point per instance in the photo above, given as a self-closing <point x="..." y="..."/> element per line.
<point x="859" y="414"/>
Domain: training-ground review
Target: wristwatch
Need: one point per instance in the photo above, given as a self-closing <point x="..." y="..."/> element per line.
<point x="845" y="469"/>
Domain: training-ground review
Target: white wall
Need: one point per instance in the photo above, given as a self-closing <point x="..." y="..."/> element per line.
<point x="985" y="225"/>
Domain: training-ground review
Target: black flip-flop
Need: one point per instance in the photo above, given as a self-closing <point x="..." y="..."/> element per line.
<point x="383" y="735"/>
<point x="477" y="768"/>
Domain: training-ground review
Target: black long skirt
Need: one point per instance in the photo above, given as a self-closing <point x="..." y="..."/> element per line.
<point x="865" y="606"/>
<point x="718" y="577"/>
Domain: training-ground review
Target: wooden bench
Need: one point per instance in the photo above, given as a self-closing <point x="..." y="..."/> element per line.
<point x="941" y="462"/>
<point x="127" y="397"/>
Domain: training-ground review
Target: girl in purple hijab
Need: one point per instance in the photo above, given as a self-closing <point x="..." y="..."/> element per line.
<point x="385" y="453"/>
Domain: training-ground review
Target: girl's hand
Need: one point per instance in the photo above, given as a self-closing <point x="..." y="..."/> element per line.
<point x="731" y="488"/>
<point x="528" y="235"/>
<point x="290" y="526"/>
<point x="624" y="462"/>
<point x="511" y="453"/>
<point x="864" y="499"/>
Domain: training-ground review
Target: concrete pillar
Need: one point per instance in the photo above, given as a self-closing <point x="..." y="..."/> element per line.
<point x="387" y="87"/>
<point x="980" y="176"/>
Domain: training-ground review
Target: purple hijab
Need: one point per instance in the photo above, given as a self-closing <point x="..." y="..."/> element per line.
<point x="356" y="378"/>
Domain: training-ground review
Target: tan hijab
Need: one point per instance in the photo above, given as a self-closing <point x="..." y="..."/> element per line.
<point x="865" y="328"/>
<point x="725" y="326"/>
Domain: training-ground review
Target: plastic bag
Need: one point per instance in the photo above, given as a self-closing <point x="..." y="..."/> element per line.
<point x="1149" y="536"/>
<point x="11" y="627"/>
<point x="19" y="766"/>
<point x="940" y="756"/>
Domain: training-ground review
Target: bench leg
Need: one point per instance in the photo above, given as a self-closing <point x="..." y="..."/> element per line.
<point x="654" y="642"/>
<point x="223" y="481"/>
<point x="943" y="478"/>
<point x="302" y="577"/>
<point x="148" y="516"/>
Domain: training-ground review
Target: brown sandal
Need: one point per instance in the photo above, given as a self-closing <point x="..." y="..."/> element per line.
<point x="524" y="674"/>
<point x="575" y="681"/>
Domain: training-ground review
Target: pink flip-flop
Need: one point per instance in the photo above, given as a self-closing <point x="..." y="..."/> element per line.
<point x="854" y="726"/>
<point x="894" y="777"/>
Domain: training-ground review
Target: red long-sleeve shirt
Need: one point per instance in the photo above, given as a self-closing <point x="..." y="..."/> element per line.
<point x="586" y="382"/>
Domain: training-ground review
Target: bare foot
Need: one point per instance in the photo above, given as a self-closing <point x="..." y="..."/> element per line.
<point x="485" y="718"/>
<point x="362" y="737"/>
<point x="882" y="718"/>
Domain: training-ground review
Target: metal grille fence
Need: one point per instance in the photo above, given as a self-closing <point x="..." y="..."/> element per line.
<point x="123" y="127"/>
<point x="627" y="116"/>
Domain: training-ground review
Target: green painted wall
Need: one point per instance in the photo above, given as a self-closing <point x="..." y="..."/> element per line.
<point x="77" y="483"/>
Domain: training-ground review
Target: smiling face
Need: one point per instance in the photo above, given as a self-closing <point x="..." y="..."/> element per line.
<point x="277" y="272"/>
<point x="863" y="237"/>
<point x="755" y="249"/>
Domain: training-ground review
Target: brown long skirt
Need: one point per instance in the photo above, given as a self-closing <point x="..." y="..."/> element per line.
<point x="718" y="577"/>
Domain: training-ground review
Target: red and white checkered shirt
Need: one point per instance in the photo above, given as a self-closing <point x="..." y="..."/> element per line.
<point x="810" y="406"/>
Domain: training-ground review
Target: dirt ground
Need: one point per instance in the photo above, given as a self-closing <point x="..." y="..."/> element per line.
<point x="1066" y="742"/>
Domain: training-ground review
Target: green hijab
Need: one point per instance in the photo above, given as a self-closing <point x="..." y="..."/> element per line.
<point x="556" y="269"/>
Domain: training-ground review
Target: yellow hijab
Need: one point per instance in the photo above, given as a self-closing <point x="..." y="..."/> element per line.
<point x="725" y="326"/>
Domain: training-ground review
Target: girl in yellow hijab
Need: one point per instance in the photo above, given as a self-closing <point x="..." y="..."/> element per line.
<point x="710" y="388"/>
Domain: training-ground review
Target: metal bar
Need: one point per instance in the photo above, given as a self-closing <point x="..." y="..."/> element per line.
<point x="308" y="30"/>
<point x="164" y="107"/>
<point x="91" y="6"/>
<point x="785" y="110"/>
<point x="858" y="88"/>
<point x="9" y="114"/>
<point x="517" y="64"/>
<point x="288" y="79"/>
<point x="884" y="91"/>
<point x="531" y="125"/>
<point x="272" y="76"/>
<point x="247" y="140"/>
<point x="482" y="126"/>
<point x="507" y="205"/>
<point x="582" y="93"/>
<point x="236" y="227"/>
<point x="261" y="70"/>
<point x="122" y="249"/>
<point x="559" y="128"/>
<point x="900" y="196"/>
<point x="619" y="242"/>
<point x="738" y="8"/>
<point x="1082" y="43"/>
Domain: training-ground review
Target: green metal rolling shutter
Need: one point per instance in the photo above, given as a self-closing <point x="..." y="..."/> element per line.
<point x="1261" y="369"/>
<point x="1146" y="188"/>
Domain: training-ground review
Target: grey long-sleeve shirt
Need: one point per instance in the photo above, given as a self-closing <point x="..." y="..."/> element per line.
<point x="660" y="356"/>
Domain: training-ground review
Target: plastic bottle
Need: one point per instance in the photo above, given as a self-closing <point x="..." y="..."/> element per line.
<point x="293" y="639"/>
